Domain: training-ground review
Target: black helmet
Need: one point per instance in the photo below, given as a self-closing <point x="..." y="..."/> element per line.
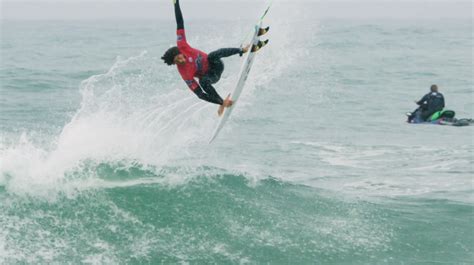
<point x="169" y="55"/>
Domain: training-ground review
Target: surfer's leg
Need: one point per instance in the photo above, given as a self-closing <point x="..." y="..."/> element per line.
<point x="210" y="91"/>
<point x="216" y="67"/>
<point x="224" y="52"/>
<point x="216" y="99"/>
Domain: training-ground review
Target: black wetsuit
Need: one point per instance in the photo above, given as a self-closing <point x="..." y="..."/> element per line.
<point x="428" y="105"/>
<point x="431" y="103"/>
<point x="216" y="67"/>
<point x="205" y="90"/>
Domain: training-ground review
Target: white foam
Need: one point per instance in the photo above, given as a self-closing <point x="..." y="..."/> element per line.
<point x="129" y="115"/>
<point x="391" y="171"/>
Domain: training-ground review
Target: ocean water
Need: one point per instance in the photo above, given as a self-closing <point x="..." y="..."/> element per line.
<point x="104" y="154"/>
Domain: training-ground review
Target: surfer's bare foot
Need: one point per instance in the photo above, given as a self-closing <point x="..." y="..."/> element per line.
<point x="220" y="110"/>
<point x="246" y="48"/>
<point x="227" y="103"/>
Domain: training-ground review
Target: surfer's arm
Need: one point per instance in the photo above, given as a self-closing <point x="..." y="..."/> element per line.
<point x="181" y="34"/>
<point x="178" y="15"/>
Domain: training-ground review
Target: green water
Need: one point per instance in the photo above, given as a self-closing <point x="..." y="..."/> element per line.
<point x="104" y="154"/>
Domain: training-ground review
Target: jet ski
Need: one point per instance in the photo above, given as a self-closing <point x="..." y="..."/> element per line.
<point x="443" y="117"/>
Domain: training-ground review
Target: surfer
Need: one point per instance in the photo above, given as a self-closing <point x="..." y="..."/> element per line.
<point x="429" y="104"/>
<point x="193" y="63"/>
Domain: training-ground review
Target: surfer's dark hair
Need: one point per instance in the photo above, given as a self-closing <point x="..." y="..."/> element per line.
<point x="169" y="55"/>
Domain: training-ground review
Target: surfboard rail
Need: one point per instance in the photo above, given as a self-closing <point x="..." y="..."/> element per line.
<point x="243" y="75"/>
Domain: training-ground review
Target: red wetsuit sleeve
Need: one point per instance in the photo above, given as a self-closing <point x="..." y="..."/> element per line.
<point x="181" y="42"/>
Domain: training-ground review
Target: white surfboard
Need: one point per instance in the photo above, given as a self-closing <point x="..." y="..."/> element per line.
<point x="244" y="73"/>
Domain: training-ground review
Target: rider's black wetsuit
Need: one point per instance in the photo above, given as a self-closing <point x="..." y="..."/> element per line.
<point x="431" y="103"/>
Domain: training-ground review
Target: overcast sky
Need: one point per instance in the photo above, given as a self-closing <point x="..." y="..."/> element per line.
<point x="221" y="9"/>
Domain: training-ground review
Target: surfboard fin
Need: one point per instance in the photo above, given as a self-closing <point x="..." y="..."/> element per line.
<point x="259" y="45"/>
<point x="263" y="31"/>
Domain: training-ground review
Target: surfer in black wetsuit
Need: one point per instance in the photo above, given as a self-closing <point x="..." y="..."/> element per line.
<point x="429" y="104"/>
